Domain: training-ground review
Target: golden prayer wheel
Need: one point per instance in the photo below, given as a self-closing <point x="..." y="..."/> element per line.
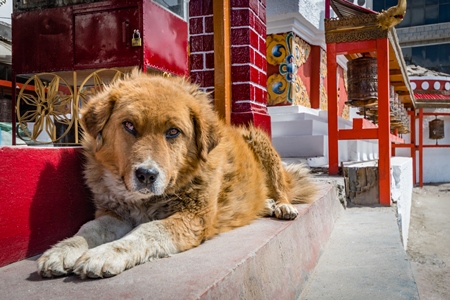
<point x="362" y="77"/>
<point x="436" y="129"/>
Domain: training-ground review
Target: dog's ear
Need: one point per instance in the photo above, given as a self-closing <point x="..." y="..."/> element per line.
<point x="96" y="114"/>
<point x="205" y="120"/>
<point x="206" y="134"/>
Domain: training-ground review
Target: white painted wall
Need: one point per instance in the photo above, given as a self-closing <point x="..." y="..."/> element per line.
<point x="401" y="190"/>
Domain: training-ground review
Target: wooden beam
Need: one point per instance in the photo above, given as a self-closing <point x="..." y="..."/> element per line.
<point x="395" y="77"/>
<point x="222" y="59"/>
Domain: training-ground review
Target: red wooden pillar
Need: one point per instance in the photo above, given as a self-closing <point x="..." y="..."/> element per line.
<point x="333" y="131"/>
<point x="412" y="122"/>
<point x="222" y="59"/>
<point x="384" y="141"/>
<point x="420" y="128"/>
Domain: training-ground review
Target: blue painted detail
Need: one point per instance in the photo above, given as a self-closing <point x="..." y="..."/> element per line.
<point x="276" y="88"/>
<point x="276" y="50"/>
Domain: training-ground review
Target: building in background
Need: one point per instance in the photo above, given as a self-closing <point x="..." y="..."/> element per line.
<point x="424" y="33"/>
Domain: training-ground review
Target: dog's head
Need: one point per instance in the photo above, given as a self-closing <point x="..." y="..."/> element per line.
<point x="151" y="132"/>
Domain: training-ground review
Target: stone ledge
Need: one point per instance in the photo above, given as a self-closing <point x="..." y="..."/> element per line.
<point x="269" y="259"/>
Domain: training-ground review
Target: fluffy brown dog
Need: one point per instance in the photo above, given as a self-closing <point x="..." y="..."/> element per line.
<point x="166" y="175"/>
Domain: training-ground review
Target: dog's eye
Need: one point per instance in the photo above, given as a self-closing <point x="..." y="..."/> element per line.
<point x="172" y="133"/>
<point x="129" y="127"/>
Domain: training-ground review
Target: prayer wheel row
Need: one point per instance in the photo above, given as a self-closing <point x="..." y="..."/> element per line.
<point x="362" y="74"/>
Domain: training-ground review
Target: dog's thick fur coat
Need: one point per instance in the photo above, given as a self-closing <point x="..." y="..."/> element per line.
<point x="166" y="175"/>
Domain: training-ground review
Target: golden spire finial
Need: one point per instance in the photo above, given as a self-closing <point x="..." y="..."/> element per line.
<point x="392" y="16"/>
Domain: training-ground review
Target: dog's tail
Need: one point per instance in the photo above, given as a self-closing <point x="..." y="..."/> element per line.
<point x="302" y="188"/>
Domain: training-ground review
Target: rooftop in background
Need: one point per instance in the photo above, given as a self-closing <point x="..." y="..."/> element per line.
<point x="414" y="70"/>
<point x="431" y="88"/>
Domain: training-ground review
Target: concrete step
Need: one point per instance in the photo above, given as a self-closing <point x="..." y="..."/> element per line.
<point x="269" y="259"/>
<point x="301" y="146"/>
<point x="296" y="113"/>
<point x="296" y="117"/>
<point x="299" y="128"/>
<point x="364" y="259"/>
<point x="292" y="109"/>
<point x="315" y="149"/>
<point x="303" y="132"/>
<point x="313" y="162"/>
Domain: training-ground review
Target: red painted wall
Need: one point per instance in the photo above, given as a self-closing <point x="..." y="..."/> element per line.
<point x="98" y="35"/>
<point x="165" y="40"/>
<point x="49" y="33"/>
<point x="202" y="43"/>
<point x="43" y="199"/>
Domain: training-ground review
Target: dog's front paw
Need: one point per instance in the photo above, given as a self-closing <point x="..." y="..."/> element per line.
<point x="104" y="261"/>
<point x="286" y="211"/>
<point x="269" y="208"/>
<point x="60" y="259"/>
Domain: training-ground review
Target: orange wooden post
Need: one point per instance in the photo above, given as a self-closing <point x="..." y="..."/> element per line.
<point x="222" y="59"/>
<point x="384" y="140"/>
<point x="333" y="126"/>
<point x="420" y="128"/>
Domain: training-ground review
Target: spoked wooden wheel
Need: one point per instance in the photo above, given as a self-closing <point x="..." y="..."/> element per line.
<point x="48" y="107"/>
<point x="95" y="83"/>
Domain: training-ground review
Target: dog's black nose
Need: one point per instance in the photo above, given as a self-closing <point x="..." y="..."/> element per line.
<point x="146" y="176"/>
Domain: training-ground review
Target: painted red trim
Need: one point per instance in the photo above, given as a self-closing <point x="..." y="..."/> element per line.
<point x="8" y="84"/>
<point x="433" y="97"/>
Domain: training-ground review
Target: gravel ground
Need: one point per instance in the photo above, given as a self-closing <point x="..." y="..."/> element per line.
<point x="429" y="240"/>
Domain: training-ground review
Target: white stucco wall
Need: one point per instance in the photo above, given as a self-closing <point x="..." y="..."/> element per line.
<point x="401" y="190"/>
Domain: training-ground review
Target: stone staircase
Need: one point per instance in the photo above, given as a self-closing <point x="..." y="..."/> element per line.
<point x="302" y="132"/>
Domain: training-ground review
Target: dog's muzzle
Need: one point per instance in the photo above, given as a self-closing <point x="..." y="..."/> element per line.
<point x="146" y="176"/>
<point x="149" y="180"/>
